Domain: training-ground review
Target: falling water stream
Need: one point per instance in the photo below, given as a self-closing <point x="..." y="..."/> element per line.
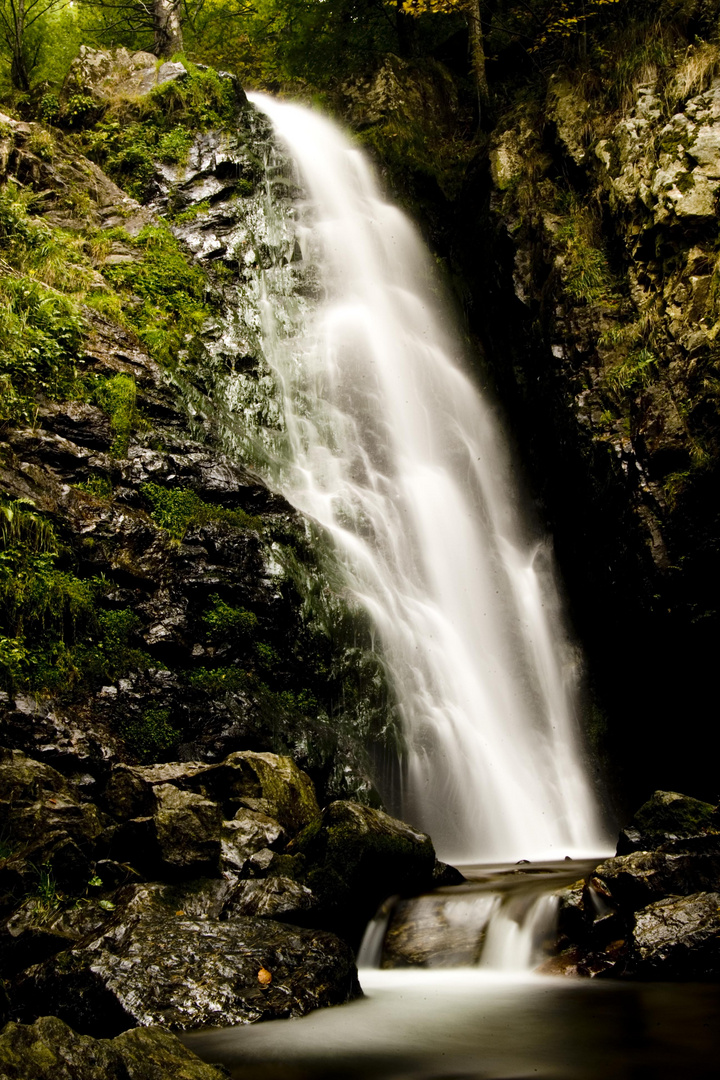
<point x="392" y="448"/>
<point x="396" y="453"/>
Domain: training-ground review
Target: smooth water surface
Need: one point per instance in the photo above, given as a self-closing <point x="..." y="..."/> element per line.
<point x="392" y="448"/>
<point x="431" y="1025"/>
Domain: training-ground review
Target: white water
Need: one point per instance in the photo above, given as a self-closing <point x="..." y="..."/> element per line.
<point x="396" y="453"/>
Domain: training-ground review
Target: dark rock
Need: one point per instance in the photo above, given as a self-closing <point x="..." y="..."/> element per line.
<point x="187" y="828"/>
<point x="273" y="898"/>
<point x="644" y="876"/>
<point x="678" y="938"/>
<point x="50" y="1050"/>
<point x="166" y="968"/>
<point x="423" y="933"/>
<point x="266" y="783"/>
<point x="247" y="833"/>
<point x="666" y="816"/>
<point x="36" y="931"/>
<point x="445" y="875"/>
<point x="357" y="857"/>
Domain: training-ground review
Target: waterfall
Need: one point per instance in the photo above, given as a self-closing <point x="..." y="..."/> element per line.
<point x="395" y="452"/>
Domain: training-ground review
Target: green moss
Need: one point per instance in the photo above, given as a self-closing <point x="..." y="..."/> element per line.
<point x="171" y="289"/>
<point x="177" y="509"/>
<point x="218" y="681"/>
<point x="186" y="216"/>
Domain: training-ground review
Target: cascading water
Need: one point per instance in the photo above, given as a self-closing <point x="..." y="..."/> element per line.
<point x="393" y="450"/>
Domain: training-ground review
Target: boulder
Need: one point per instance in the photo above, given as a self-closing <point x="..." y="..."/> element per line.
<point x="50" y="1050"/>
<point x="109" y="73"/>
<point x="268" y="784"/>
<point x="645" y="876"/>
<point x="356" y="858"/>
<point x="272" y="898"/>
<point x="187" y="829"/>
<point x="247" y="833"/>
<point x="667" y="815"/>
<point x="678" y="938"/>
<point x="161" y="967"/>
<point x="35" y="931"/>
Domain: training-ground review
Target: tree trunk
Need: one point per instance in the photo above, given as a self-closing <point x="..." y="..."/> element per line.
<point x="405" y="28"/>
<point x="168" y="28"/>
<point x="477" y="56"/>
<point x="19" y="74"/>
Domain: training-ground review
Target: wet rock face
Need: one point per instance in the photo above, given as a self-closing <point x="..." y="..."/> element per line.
<point x="650" y="914"/>
<point x="50" y="1050"/>
<point x="679" y="937"/>
<point x="600" y="324"/>
<point x="187" y="974"/>
<point x="231" y="853"/>
<point x="349" y="851"/>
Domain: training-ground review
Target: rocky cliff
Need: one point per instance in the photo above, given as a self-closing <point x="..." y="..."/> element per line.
<point x="600" y="324"/>
<point x="188" y="696"/>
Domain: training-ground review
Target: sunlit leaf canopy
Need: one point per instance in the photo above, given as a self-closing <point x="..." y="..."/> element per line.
<point x="310" y="44"/>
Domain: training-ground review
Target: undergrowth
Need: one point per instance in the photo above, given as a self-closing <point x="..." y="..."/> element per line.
<point x="172" y="291"/>
<point x="136" y="132"/>
<point x="54" y="635"/>
<point x="178" y="509"/>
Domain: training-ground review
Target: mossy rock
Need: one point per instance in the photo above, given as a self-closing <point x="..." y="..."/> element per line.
<point x="357" y="857"/>
<point x="50" y="1050"/>
<point x="269" y="783"/>
<point x="668" y="814"/>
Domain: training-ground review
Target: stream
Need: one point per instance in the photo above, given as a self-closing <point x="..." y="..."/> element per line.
<point x="453" y="1019"/>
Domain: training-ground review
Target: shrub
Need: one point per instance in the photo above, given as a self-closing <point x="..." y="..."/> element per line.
<point x="225" y="623"/>
<point x="152" y="737"/>
<point x="176" y="509"/>
<point x="117" y="397"/>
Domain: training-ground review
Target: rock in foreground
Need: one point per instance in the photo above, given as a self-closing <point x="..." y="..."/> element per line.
<point x="50" y="1050"/>
<point x="652" y="913"/>
<point x="189" y="973"/>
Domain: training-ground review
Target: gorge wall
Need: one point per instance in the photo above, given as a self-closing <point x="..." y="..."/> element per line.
<point x="580" y="237"/>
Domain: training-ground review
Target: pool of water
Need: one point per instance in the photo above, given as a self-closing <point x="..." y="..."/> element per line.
<point x="440" y="1022"/>
<point x="437" y="1025"/>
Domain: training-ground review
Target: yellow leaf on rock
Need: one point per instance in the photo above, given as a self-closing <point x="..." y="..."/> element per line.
<point x="264" y="977"/>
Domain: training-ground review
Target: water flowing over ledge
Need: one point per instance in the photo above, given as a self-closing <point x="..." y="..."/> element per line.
<point x="394" y="451"/>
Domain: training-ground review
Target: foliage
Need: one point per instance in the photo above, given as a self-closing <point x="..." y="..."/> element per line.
<point x="633" y="372"/>
<point x="99" y="486"/>
<point x="225" y="623"/>
<point x="117" y="398"/>
<point x="112" y="652"/>
<point x="135" y="132"/>
<point x="177" y="509"/>
<point x="21" y="35"/>
<point x="48" y="898"/>
<point x="152" y="737"/>
<point x="275" y="44"/>
<point x="586" y="272"/>
<point x="171" y="289"/>
<point x="40" y="327"/>
<point x="53" y="637"/>
<point x="44" y="609"/>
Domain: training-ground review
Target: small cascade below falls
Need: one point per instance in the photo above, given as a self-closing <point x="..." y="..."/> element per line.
<point x="392" y="449"/>
<point x="501" y="919"/>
